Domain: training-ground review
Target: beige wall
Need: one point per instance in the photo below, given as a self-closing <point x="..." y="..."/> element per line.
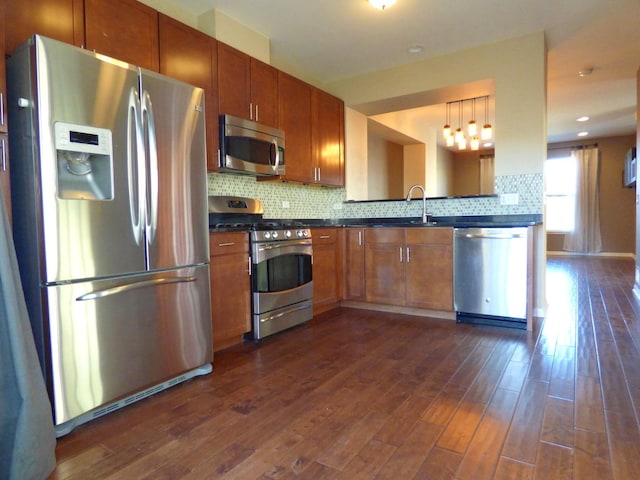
<point x="617" y="203"/>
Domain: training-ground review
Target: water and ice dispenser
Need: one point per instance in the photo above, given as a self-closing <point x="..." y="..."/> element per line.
<point x="84" y="162"/>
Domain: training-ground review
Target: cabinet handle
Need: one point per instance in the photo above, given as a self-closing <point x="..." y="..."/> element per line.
<point x="359" y="238"/>
<point x="3" y="160"/>
<point x="400" y="254"/>
<point x="227" y="244"/>
<point x="257" y="116"/>
<point x="408" y="255"/>
<point x="250" y="110"/>
<point x="249" y="265"/>
<point x="319" y="175"/>
<point x="1" y="108"/>
<point x="325" y="236"/>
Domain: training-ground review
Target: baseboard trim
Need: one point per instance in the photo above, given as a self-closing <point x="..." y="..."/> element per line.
<point x="599" y="254"/>
<point x="443" y="315"/>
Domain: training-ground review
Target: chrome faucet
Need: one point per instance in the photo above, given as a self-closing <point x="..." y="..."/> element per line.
<point x="424" y="201"/>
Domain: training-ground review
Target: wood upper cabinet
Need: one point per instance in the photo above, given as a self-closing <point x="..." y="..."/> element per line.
<point x="230" y="287"/>
<point x="410" y="267"/>
<point x="192" y="57"/>
<point x="3" y="76"/>
<point x="354" y="264"/>
<point x="123" y="29"/>
<point x="247" y="87"/>
<point x="385" y="266"/>
<point x="58" y="19"/>
<point x="327" y="274"/>
<point x="313" y="124"/>
<point x="294" y="99"/>
<point x="328" y="138"/>
<point x="430" y="268"/>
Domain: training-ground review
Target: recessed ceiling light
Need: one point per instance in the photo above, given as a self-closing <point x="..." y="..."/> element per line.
<point x="382" y="4"/>
<point x="415" y="49"/>
<point x="584" y="118"/>
<point x="583" y="134"/>
<point x="586" y="72"/>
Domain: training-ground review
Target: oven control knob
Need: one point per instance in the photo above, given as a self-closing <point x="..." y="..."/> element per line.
<point x="287" y="233"/>
<point x="267" y="235"/>
<point x="274" y="235"/>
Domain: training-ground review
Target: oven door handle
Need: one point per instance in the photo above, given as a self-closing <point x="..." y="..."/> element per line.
<point x="282" y="314"/>
<point x="262" y="252"/>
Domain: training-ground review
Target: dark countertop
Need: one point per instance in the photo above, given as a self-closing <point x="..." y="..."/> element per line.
<point x="523" y="220"/>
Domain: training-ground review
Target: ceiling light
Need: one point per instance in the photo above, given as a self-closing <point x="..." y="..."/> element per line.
<point x="583" y="134"/>
<point x="382" y="4"/>
<point x="586" y="72"/>
<point x="584" y="118"/>
<point x="415" y="49"/>
<point x="487" y="131"/>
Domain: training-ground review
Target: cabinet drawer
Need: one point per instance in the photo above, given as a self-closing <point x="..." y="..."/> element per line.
<point x="437" y="235"/>
<point x="384" y="235"/>
<point x="323" y="236"/>
<point x="224" y="243"/>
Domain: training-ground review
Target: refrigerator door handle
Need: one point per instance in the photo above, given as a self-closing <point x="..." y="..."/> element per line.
<point x="133" y="286"/>
<point x="135" y="152"/>
<point x="152" y="164"/>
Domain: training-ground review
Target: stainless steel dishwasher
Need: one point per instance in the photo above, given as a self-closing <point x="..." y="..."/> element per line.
<point x="490" y="276"/>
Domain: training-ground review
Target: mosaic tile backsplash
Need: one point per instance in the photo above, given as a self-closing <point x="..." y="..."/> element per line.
<point x="319" y="202"/>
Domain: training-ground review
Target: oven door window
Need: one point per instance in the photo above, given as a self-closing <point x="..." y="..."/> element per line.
<point x="282" y="273"/>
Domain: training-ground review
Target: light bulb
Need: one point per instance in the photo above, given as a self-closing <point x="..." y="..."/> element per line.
<point x="459" y="135"/>
<point x="446" y="131"/>
<point x="462" y="144"/>
<point x="475" y="143"/>
<point x="450" y="141"/>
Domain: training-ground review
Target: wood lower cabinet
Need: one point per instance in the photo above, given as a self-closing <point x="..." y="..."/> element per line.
<point x="327" y="260"/>
<point x="5" y="181"/>
<point x="430" y="268"/>
<point x="354" y="264"/>
<point x="230" y="288"/>
<point x="58" y="19"/>
<point x="123" y="29"/>
<point x="191" y="56"/>
<point x="410" y="267"/>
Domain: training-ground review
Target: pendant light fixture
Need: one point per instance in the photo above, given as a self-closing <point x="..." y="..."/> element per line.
<point x="487" y="131"/>
<point x="472" y="136"/>
<point x="472" y="127"/>
<point x="382" y="4"/>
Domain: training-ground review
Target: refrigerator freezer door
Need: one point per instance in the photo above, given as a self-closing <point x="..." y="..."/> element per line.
<point x="111" y="338"/>
<point x="86" y="238"/>
<point x="177" y="212"/>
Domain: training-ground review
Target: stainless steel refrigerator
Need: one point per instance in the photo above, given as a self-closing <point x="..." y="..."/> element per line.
<point x="109" y="197"/>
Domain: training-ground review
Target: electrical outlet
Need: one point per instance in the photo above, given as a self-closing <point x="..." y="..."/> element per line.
<point x="509" y="199"/>
<point x="286" y="204"/>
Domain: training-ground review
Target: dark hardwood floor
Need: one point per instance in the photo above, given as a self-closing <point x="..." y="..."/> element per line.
<point x="364" y="395"/>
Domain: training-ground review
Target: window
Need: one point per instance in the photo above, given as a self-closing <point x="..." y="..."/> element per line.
<point x="560" y="176"/>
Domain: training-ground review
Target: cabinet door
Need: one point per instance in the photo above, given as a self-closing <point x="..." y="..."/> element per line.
<point x="354" y="264"/>
<point x="430" y="268"/>
<point x="234" y="81"/>
<point x="294" y="98"/>
<point x="5" y="182"/>
<point x="123" y="29"/>
<point x="3" y="76"/>
<point x="385" y="266"/>
<point x="230" y="288"/>
<point x="191" y="56"/>
<point x="328" y="138"/>
<point x="326" y="271"/>
<point x="58" y="19"/>
<point x="264" y="93"/>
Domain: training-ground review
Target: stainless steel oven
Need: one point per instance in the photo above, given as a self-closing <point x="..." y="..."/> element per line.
<point x="282" y="280"/>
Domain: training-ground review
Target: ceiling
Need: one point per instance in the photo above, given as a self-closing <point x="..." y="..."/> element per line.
<point x="329" y="40"/>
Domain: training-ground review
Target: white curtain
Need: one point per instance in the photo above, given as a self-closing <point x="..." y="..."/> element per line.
<point x="586" y="236"/>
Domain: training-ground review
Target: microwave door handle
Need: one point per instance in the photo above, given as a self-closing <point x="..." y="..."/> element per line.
<point x="152" y="164"/>
<point x="135" y="152"/>
<point x="277" y="154"/>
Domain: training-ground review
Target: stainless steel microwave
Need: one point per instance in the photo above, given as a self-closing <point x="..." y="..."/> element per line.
<point x="250" y="148"/>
